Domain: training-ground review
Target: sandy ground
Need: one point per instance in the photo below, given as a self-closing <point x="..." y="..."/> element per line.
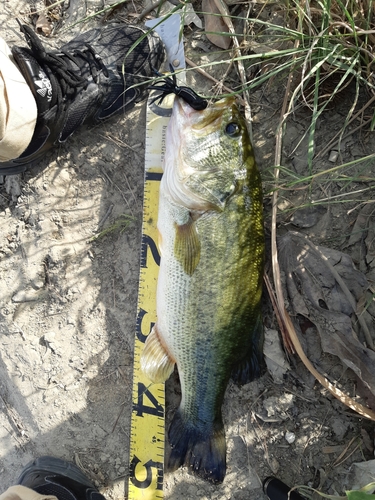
<point x="68" y="309"/>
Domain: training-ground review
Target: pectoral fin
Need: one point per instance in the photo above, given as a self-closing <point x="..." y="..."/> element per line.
<point x="156" y="362"/>
<point x="187" y="248"/>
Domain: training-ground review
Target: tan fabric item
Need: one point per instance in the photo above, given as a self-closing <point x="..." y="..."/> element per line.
<point x="23" y="493"/>
<point x="18" y="111"/>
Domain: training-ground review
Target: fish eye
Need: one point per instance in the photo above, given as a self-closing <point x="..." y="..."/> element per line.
<point x="232" y="129"/>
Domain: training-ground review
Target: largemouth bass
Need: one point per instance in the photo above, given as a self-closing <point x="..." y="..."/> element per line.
<point x="210" y="279"/>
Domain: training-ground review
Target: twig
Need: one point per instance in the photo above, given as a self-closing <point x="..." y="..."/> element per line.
<point x="94" y="14"/>
<point x="130" y="189"/>
<point x="319" y="431"/>
<point x="11" y="433"/>
<point x="20" y="331"/>
<point x="118" y="142"/>
<point x="118" y="417"/>
<point x="48" y="7"/>
<point x="341" y="458"/>
<point x="286" y="340"/>
<point x="80" y="465"/>
<point x="332" y="142"/>
<point x="278" y="147"/>
<point x="209" y="77"/>
<point x="329" y="198"/>
<point x="105" y="217"/>
<point x="149" y="9"/>
<point x="116" y="186"/>
<point x="262" y="442"/>
<point x="223" y="9"/>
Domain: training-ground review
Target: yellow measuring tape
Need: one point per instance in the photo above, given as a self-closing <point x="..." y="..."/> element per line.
<point x="147" y="424"/>
<point x="148" y="400"/>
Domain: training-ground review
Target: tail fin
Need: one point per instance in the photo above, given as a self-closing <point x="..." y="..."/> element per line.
<point x="203" y="452"/>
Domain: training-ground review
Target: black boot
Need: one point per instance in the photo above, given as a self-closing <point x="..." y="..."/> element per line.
<point x="87" y="80"/>
<point x="53" y="476"/>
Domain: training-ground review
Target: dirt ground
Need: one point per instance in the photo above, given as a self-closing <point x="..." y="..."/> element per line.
<point x="68" y="310"/>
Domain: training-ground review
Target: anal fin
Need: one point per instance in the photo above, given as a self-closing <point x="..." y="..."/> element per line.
<point x="156" y="363"/>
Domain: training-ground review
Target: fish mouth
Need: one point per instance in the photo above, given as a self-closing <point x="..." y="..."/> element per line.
<point x="206" y="117"/>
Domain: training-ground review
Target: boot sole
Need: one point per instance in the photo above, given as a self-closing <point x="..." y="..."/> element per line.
<point x="55" y="466"/>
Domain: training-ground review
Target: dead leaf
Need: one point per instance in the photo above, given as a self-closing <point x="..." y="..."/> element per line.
<point x="277" y="364"/>
<point x="361" y="473"/>
<point x="362" y="238"/>
<point x="368" y="215"/>
<point x="361" y="224"/>
<point x="43" y="24"/>
<point x="367" y="441"/>
<point x="324" y="286"/>
<point x="214" y="25"/>
<point x="307" y="216"/>
<point x="190" y="16"/>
